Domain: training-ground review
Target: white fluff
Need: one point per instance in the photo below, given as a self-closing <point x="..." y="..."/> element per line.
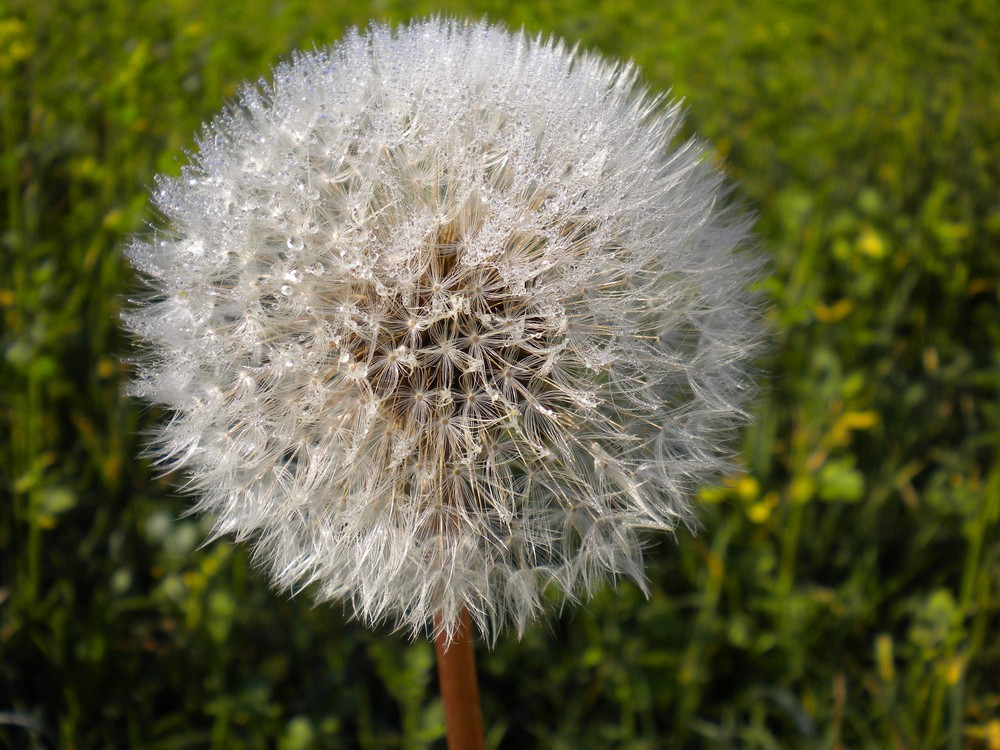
<point x="443" y="318"/>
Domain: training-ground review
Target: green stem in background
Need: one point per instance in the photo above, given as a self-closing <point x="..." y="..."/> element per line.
<point x="459" y="688"/>
<point x="693" y="674"/>
<point x="974" y="581"/>
<point x="789" y="549"/>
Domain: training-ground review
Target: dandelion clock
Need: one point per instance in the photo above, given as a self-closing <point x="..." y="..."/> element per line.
<point x="445" y="316"/>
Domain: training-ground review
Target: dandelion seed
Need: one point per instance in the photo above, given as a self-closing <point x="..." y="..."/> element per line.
<point x="445" y="316"/>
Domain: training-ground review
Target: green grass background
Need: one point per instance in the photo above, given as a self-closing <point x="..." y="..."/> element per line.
<point x="845" y="591"/>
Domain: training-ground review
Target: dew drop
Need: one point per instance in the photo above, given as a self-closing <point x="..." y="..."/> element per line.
<point x="294" y="243"/>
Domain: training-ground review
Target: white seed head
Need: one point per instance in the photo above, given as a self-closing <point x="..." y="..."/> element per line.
<point x="443" y="317"/>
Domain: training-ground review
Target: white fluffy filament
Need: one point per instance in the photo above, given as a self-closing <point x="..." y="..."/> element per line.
<point x="443" y="317"/>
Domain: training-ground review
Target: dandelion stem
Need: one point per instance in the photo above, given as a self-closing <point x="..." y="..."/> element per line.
<point x="459" y="688"/>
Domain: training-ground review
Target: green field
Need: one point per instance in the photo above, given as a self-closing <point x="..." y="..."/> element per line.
<point x="845" y="589"/>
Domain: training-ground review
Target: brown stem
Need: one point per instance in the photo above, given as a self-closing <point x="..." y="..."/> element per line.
<point x="459" y="689"/>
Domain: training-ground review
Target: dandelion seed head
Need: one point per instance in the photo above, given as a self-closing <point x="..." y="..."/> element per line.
<point x="444" y="316"/>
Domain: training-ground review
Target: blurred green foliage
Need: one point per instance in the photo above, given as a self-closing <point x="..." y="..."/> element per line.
<point x="845" y="592"/>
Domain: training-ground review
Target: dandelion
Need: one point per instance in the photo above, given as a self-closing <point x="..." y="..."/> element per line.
<point x="445" y="316"/>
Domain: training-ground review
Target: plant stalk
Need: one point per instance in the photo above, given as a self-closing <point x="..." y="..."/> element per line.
<point x="459" y="688"/>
